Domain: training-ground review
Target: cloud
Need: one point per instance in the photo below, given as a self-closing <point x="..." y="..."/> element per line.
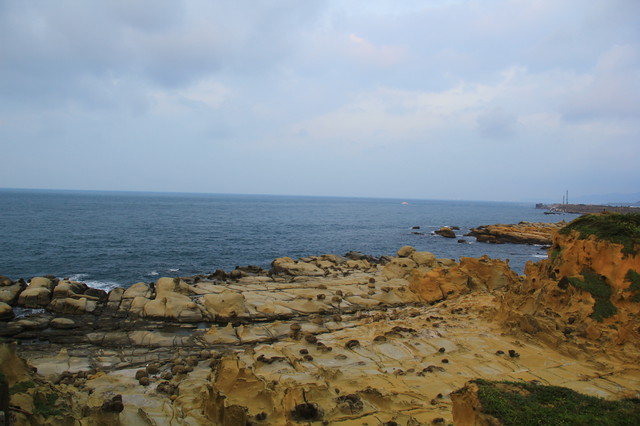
<point x="495" y="123"/>
<point x="612" y="92"/>
<point x="365" y="86"/>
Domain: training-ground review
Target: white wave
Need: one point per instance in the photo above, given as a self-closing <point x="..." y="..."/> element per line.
<point x="25" y="312"/>
<point x="173" y="269"/>
<point x="103" y="285"/>
<point x="153" y="273"/>
<point x="540" y="256"/>
<point x="77" y="277"/>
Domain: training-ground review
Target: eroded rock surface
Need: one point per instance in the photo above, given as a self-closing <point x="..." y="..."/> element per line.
<point x="324" y="339"/>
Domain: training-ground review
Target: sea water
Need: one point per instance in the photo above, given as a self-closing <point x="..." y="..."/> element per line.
<point x="109" y="239"/>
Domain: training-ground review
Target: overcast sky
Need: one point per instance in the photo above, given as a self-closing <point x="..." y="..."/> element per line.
<point x="444" y="99"/>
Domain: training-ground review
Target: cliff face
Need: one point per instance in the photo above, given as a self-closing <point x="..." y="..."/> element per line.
<point x="587" y="292"/>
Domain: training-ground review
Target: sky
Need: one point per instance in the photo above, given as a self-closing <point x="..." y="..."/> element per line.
<point x="436" y="99"/>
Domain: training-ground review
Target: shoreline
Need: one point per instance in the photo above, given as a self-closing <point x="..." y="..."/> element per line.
<point x="357" y="338"/>
<point x="587" y="208"/>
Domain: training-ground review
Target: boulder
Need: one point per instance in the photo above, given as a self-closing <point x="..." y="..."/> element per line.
<point x="43" y="282"/>
<point x="445" y="232"/>
<point x="172" y="285"/>
<point x="6" y="311"/>
<point x="423" y="258"/>
<point x="63" y="323"/>
<point x="287" y="266"/>
<point x="439" y="283"/>
<point x="399" y="267"/>
<point x="69" y="289"/>
<point x="406" y="251"/>
<point x="488" y="274"/>
<point x="227" y="304"/>
<point x="70" y="305"/>
<point x="34" y="297"/>
<point x="9" y="294"/>
<point x="137" y="290"/>
<point x="172" y="306"/>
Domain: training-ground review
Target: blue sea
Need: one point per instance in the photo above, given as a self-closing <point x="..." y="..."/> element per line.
<point x="109" y="239"/>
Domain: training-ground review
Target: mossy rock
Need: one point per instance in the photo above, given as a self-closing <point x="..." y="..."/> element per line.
<point x="600" y="290"/>
<point x="523" y="404"/>
<point x="617" y="228"/>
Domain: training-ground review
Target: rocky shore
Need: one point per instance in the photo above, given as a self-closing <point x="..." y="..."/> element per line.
<point x="323" y="340"/>
<point x="540" y="233"/>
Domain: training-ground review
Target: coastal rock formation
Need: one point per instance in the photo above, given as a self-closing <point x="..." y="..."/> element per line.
<point x="522" y="233"/>
<point x="470" y="275"/>
<point x="348" y="339"/>
<point x="587" y="291"/>
<point x="446" y="232"/>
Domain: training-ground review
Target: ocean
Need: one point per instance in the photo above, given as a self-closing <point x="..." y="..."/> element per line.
<point x="109" y="239"/>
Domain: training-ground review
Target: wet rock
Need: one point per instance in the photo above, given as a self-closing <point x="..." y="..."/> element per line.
<point x="445" y="232"/>
<point x="6" y="311"/>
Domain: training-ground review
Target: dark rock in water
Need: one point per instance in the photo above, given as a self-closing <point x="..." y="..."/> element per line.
<point x="219" y="274"/>
<point x="356" y="255"/>
<point x="445" y="232"/>
<point x="415" y="227"/>
<point x="97" y="293"/>
<point x="236" y="274"/>
<point x="251" y="269"/>
<point x="463" y="241"/>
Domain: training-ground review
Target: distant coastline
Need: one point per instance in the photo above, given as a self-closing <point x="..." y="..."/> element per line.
<point x="586" y="208"/>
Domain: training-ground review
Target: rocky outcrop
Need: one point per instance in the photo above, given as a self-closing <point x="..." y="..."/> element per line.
<point x="522" y="233"/>
<point x="369" y="340"/>
<point x="585" y="293"/>
<point x="446" y="232"/>
<point x="452" y="280"/>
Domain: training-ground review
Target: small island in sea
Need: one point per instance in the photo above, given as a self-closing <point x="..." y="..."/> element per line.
<point x="355" y="339"/>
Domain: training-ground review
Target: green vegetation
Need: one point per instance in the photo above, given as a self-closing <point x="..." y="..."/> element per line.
<point x="601" y="292"/>
<point x="617" y="228"/>
<point x="46" y="406"/>
<point x="523" y="404"/>
<point x="555" y="252"/>
<point x="634" y="278"/>
<point x="21" y="387"/>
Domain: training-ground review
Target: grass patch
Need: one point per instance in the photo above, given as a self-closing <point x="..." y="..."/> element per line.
<point x="21" y="387"/>
<point x="46" y="407"/>
<point x="526" y="404"/>
<point x="600" y="290"/>
<point x="634" y="278"/>
<point x="617" y="228"/>
<point x="553" y="255"/>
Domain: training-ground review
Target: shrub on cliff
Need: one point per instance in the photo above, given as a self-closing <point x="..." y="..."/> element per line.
<point x="521" y="403"/>
<point x="617" y="228"/>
